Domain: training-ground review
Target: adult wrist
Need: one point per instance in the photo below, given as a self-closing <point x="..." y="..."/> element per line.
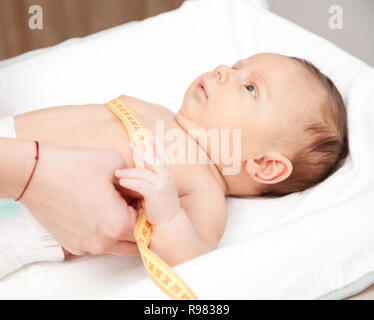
<point x="16" y="163"/>
<point x="32" y="172"/>
<point x="41" y="181"/>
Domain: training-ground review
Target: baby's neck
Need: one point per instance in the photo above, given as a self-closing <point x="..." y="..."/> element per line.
<point x="219" y="178"/>
<point x="214" y="168"/>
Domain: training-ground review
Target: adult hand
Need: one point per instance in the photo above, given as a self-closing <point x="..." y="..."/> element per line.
<point x="73" y="195"/>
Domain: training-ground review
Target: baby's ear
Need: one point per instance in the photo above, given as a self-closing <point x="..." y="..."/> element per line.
<point x="270" y="168"/>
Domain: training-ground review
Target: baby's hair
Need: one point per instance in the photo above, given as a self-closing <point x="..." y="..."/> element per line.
<point x="328" y="141"/>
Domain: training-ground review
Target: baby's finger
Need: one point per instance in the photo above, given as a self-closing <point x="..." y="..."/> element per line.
<point x="158" y="162"/>
<point x="141" y="186"/>
<point x="147" y="159"/>
<point x="160" y="153"/>
<point x="137" y="174"/>
<point x="138" y="151"/>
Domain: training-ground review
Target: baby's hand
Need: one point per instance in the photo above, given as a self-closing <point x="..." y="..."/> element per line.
<point x="155" y="183"/>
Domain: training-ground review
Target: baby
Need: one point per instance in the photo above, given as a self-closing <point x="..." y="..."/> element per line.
<point x="281" y="119"/>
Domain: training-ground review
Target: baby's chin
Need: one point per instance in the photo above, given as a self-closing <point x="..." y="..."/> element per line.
<point x="193" y="104"/>
<point x="188" y="108"/>
<point x="184" y="118"/>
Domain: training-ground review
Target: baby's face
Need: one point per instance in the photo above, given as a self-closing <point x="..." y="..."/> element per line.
<point x="266" y="96"/>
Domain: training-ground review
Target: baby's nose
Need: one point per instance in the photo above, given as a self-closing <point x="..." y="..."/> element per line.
<point x="222" y="72"/>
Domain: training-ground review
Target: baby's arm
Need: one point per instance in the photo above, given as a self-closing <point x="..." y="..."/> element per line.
<point x="177" y="241"/>
<point x="175" y="236"/>
<point x="188" y="236"/>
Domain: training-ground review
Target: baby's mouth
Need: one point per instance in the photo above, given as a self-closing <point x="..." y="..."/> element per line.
<point x="202" y="87"/>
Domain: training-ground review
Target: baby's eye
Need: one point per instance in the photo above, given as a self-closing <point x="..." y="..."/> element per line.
<point x="251" y="90"/>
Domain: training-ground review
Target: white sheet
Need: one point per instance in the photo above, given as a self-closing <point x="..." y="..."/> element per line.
<point x="316" y="244"/>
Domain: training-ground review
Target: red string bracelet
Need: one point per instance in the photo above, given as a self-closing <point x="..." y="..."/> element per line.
<point x="33" y="170"/>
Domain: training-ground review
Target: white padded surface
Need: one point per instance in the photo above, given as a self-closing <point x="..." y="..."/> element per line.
<point x="315" y="244"/>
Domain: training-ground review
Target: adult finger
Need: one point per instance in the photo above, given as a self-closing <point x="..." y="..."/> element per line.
<point x="120" y="220"/>
<point x="124" y="248"/>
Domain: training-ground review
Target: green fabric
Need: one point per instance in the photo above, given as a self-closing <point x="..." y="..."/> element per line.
<point x="8" y="208"/>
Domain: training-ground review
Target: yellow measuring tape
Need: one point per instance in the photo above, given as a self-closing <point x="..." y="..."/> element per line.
<point x="160" y="272"/>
